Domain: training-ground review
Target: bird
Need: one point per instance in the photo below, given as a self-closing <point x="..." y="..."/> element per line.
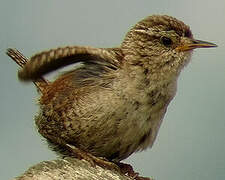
<point x="112" y="102"/>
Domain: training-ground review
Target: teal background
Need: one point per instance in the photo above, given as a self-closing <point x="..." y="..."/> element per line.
<point x="191" y="141"/>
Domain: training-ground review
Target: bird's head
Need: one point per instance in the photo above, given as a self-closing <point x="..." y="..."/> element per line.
<point x="161" y="43"/>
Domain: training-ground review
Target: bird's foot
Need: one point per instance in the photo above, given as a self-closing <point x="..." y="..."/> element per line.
<point x="129" y="171"/>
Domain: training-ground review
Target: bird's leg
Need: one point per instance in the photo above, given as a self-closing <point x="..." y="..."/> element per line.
<point x="102" y="162"/>
<point x="21" y="60"/>
<point x="123" y="168"/>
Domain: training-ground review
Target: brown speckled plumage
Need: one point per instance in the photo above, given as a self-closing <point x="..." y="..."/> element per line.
<point x="113" y="103"/>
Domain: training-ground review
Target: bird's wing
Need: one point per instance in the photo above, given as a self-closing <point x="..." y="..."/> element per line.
<point x="48" y="61"/>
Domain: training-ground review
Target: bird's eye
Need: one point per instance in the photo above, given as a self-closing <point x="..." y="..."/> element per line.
<point x="166" y="41"/>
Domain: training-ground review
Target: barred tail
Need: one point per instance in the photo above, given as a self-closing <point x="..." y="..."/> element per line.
<point x="21" y="60"/>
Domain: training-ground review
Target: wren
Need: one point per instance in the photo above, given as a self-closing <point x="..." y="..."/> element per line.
<point x="113" y="103"/>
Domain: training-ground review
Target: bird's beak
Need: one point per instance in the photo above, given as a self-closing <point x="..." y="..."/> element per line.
<point x="195" y="44"/>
